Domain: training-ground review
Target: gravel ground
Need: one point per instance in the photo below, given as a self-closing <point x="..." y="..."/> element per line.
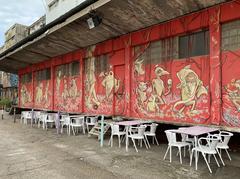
<point x="33" y="153"/>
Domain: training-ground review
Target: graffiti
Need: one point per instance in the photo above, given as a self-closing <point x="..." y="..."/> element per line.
<point x="233" y="92"/>
<point x="110" y="83"/>
<point x="42" y="94"/>
<point x="138" y="64"/>
<point x="39" y="92"/>
<point x="191" y="88"/>
<point x="151" y="94"/>
<point x="91" y="98"/>
<point x="158" y="85"/>
<point x="25" y="95"/>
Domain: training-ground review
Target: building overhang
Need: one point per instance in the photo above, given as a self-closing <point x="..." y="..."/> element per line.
<point x="119" y="17"/>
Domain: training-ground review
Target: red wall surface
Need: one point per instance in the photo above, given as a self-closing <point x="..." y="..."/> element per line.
<point x="157" y="91"/>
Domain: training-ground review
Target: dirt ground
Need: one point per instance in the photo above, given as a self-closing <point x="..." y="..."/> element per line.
<point x="33" y="153"/>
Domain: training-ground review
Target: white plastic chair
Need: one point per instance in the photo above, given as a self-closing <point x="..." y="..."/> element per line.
<point x="172" y="142"/>
<point x="26" y="115"/>
<point x="37" y="115"/>
<point x="151" y="133"/>
<point x="42" y="119"/>
<point x="116" y="132"/>
<point x="50" y="120"/>
<point x="91" y="121"/>
<point x="138" y="136"/>
<point x="208" y="148"/>
<point x="224" y="140"/>
<point x="76" y="123"/>
<point x="65" y="121"/>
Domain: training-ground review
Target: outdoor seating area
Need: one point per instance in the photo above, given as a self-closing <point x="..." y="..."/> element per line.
<point x="194" y="141"/>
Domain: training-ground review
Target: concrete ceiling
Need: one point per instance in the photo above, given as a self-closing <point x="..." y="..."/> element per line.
<point x="119" y="17"/>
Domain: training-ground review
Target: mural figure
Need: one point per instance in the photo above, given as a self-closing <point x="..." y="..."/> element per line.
<point x="138" y="64"/>
<point x="58" y="81"/>
<point x="158" y="85"/>
<point x="110" y="83"/>
<point x="233" y="92"/>
<point x="73" y="91"/>
<point x="47" y="92"/>
<point x="25" y="96"/>
<point x="92" y="99"/>
<point x="39" y="92"/>
<point x="65" y="93"/>
<point x="191" y="89"/>
<point x="152" y="105"/>
<point x="142" y="93"/>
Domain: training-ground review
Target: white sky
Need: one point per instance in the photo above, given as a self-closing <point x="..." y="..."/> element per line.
<point x="19" y="11"/>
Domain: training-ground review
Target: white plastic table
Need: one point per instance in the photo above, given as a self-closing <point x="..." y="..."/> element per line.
<point x="130" y="123"/>
<point x="196" y="131"/>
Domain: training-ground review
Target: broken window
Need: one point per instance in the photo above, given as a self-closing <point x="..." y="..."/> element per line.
<point x="195" y="44"/>
<point x="43" y="74"/>
<point x="69" y="69"/>
<point x="158" y="51"/>
<point x="26" y="78"/>
<point x="231" y="35"/>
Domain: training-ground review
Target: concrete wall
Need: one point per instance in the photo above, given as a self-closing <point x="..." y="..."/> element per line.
<point x="56" y="8"/>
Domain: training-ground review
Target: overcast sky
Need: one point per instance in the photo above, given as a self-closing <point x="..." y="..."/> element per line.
<point x="19" y="11"/>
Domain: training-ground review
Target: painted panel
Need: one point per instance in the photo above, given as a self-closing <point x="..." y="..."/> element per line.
<point x="100" y="81"/>
<point x="176" y="90"/>
<point x="231" y="88"/>
<point x="67" y="89"/>
<point x="42" y="94"/>
<point x="26" y="94"/>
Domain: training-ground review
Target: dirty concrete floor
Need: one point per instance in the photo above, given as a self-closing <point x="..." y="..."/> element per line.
<point x="27" y="152"/>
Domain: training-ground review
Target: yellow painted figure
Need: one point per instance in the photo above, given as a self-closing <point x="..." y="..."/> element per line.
<point x="39" y="92"/>
<point x="110" y="83"/>
<point x="158" y="85"/>
<point x="191" y="88"/>
<point x="139" y="65"/>
<point x="142" y="93"/>
<point x="25" y="97"/>
<point x="234" y="94"/>
<point x="91" y="80"/>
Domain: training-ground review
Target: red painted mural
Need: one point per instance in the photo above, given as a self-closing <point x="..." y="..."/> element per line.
<point x="184" y="70"/>
<point x="26" y="88"/>
<point x="42" y="91"/>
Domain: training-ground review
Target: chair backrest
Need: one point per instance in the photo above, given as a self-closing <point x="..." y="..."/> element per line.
<point x="28" y="114"/>
<point x="51" y="117"/>
<point x="225" y="137"/>
<point x="93" y="119"/>
<point x="37" y="114"/>
<point x="184" y="136"/>
<point x="115" y="128"/>
<point x="211" y="142"/>
<point x="44" y="116"/>
<point x="141" y="130"/>
<point x="153" y="128"/>
<point x="171" y="136"/>
<point x="78" y="120"/>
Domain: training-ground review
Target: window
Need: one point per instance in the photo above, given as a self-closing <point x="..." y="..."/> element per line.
<point x="53" y="4"/>
<point x="26" y="78"/>
<point x="158" y="51"/>
<point x="69" y="69"/>
<point x="74" y="68"/>
<point x="231" y="35"/>
<point x="195" y="44"/>
<point x="101" y="63"/>
<point x="43" y="74"/>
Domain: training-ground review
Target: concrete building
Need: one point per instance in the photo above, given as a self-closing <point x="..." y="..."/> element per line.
<point x="56" y="8"/>
<point x="15" y="34"/>
<point x="37" y="25"/>
<point x="9" y="86"/>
